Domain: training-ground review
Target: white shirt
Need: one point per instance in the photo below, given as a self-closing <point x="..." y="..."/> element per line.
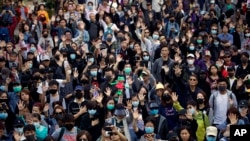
<point x="155" y="5"/>
<point x="220" y="113"/>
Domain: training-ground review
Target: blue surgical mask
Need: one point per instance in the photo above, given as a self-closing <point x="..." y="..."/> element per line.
<point x="90" y="7"/>
<point x="199" y="41"/>
<point x="209" y="138"/>
<point x="214" y="31"/>
<point x="146" y="58"/>
<point x="135" y="103"/>
<point x="3" y="116"/>
<point x="32" y="49"/>
<point x="192" y="111"/>
<point x="191" y="47"/>
<point x="154" y="112"/>
<point x="216" y="43"/>
<point x="17" y="89"/>
<point x="36" y="124"/>
<point x="19" y="130"/>
<point x="31" y="65"/>
<point x="149" y="130"/>
<point x="155" y="37"/>
<point x="127" y="70"/>
<point x="72" y="56"/>
<point x="93" y="73"/>
<point x="91" y="60"/>
<point x="92" y="111"/>
<point x="2" y="87"/>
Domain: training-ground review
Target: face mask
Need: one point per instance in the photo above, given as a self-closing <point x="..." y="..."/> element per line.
<point x="17" y="89"/>
<point x="191" y="47"/>
<point x="109" y="78"/>
<point x="59" y="117"/>
<point x="45" y="35"/>
<point x="154" y="112"/>
<point x="72" y="56"/>
<point x="90" y="7"/>
<point x="2" y="88"/>
<point x="200" y="100"/>
<point x="222" y="88"/>
<point x="32" y="49"/>
<point x="209" y="138"/>
<point x="171" y="20"/>
<point x="93" y="73"/>
<point x="149" y="130"/>
<point x="109" y="39"/>
<point x="57" y="57"/>
<point x="214" y="31"/>
<point x="231" y="74"/>
<point x="31" y="65"/>
<point x="135" y="103"/>
<point x="19" y="130"/>
<point x="244" y="60"/>
<point x="131" y="46"/>
<point x="53" y="91"/>
<point x="146" y="58"/>
<point x="155" y="37"/>
<point x="192" y="111"/>
<point x="166" y="97"/>
<point x="69" y="126"/>
<point x="247" y="35"/>
<point x="216" y="43"/>
<point x="78" y="95"/>
<point x="36" y="124"/>
<point x="30" y="138"/>
<point x="91" y="60"/>
<point x="190" y="61"/>
<point x="199" y="41"/>
<point x="92" y="111"/>
<point x="110" y="106"/>
<point x="127" y="70"/>
<point x="3" y="116"/>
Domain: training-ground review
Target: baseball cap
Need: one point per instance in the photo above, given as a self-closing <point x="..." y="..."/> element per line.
<point x="153" y="105"/>
<point x="45" y="57"/>
<point x="211" y="131"/>
<point x="144" y="73"/>
<point x="207" y="53"/>
<point x="120" y="111"/>
<point x="79" y="87"/>
<point x="243" y="103"/>
<point x="159" y="86"/>
<point x="190" y="55"/>
<point x="18" y="122"/>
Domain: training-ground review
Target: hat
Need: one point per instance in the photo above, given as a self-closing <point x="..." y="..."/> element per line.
<point x="243" y="103"/>
<point x="159" y="86"/>
<point x="211" y="131"/>
<point x="45" y="57"/>
<point x="190" y="55"/>
<point x="2" y="59"/>
<point x="79" y="87"/>
<point x="171" y="135"/>
<point x="207" y="53"/>
<point x="182" y="112"/>
<point x="212" y="1"/>
<point x="18" y="122"/>
<point x="153" y="105"/>
<point x="144" y="72"/>
<point x="120" y="111"/>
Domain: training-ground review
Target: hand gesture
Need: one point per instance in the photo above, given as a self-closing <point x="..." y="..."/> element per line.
<point x="56" y="39"/>
<point x="46" y="107"/>
<point x="129" y="104"/>
<point x="63" y="38"/>
<point x="130" y="81"/>
<point x="197" y="54"/>
<point x="44" y="87"/>
<point x="53" y="18"/>
<point x="174" y="97"/>
<point x="83" y="110"/>
<point x="119" y="58"/>
<point x="20" y="105"/>
<point x="143" y="26"/>
<point x="21" y="36"/>
<point x="233" y="118"/>
<point x="75" y="73"/>
<point x="177" y="58"/>
<point x="166" y="69"/>
<point x="230" y="100"/>
<point x="94" y="122"/>
<point x="138" y="24"/>
<point x="99" y="98"/>
<point x="16" y="136"/>
<point x="141" y="97"/>
<point x="135" y="115"/>
<point x="108" y="91"/>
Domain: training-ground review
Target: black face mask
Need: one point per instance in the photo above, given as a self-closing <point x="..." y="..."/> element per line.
<point x="171" y="20"/>
<point x="166" y="97"/>
<point x="69" y="126"/>
<point x="108" y="78"/>
<point x="84" y="81"/>
<point x="4" y="100"/>
<point x="230" y="74"/>
<point x="244" y="60"/>
<point x="109" y="39"/>
<point x="50" y="76"/>
<point x="58" y="117"/>
<point x="202" y="77"/>
<point x="52" y="91"/>
<point x="78" y="95"/>
<point x="200" y="100"/>
<point x="30" y="138"/>
<point x="57" y="57"/>
<point x="45" y="35"/>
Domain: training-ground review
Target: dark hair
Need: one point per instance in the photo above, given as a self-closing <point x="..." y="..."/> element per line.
<point x="164" y="45"/>
<point x="29" y="127"/>
<point x="233" y="110"/>
<point x="68" y="118"/>
<point x="184" y="127"/>
<point x="91" y="104"/>
<point x="83" y="132"/>
<point x="110" y="69"/>
<point x="149" y="119"/>
<point x="53" y="82"/>
<point x="244" y="54"/>
<point x="36" y="115"/>
<point x="39" y="105"/>
<point x="221" y="79"/>
<point x="191" y="102"/>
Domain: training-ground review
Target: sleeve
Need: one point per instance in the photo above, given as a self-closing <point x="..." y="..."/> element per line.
<point x="56" y="133"/>
<point x="60" y="81"/>
<point x="177" y="106"/>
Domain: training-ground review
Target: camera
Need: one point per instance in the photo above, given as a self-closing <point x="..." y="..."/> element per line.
<point x="108" y="133"/>
<point x="7" y="11"/>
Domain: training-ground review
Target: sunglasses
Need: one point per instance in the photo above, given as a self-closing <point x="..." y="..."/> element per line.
<point x="192" y="79"/>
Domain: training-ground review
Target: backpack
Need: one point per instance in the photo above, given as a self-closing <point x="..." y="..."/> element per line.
<point x="48" y="98"/>
<point x="62" y="132"/>
<point x="108" y="31"/>
<point x="6" y="19"/>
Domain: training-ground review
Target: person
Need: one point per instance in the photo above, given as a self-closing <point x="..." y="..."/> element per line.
<point x="211" y="133"/>
<point x="68" y="132"/>
<point x="29" y="132"/>
<point x="83" y="135"/>
<point x="185" y="134"/>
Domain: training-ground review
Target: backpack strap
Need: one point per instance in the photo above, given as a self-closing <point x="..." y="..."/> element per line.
<point x="61" y="134"/>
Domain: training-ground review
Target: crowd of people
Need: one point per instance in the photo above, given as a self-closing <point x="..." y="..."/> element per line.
<point x="124" y="70"/>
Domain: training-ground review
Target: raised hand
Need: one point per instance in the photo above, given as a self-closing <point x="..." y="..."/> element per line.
<point x="108" y="91"/>
<point x="174" y="97"/>
<point x="20" y="105"/>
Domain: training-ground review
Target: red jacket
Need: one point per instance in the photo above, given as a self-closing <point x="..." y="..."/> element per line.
<point x="18" y="12"/>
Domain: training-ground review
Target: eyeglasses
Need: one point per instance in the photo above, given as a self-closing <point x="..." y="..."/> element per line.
<point x="192" y="79"/>
<point x="154" y="108"/>
<point x="227" y="56"/>
<point x="243" y="107"/>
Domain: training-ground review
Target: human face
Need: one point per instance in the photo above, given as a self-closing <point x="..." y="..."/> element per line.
<point x="192" y="81"/>
<point x="4" y="96"/>
<point x="214" y="70"/>
<point x="83" y="138"/>
<point x="185" y="135"/>
<point x="200" y="95"/>
<point x="164" y="52"/>
<point x="36" y="110"/>
<point x="24" y="96"/>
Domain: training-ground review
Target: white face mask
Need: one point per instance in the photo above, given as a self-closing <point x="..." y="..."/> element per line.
<point x="190" y="61"/>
